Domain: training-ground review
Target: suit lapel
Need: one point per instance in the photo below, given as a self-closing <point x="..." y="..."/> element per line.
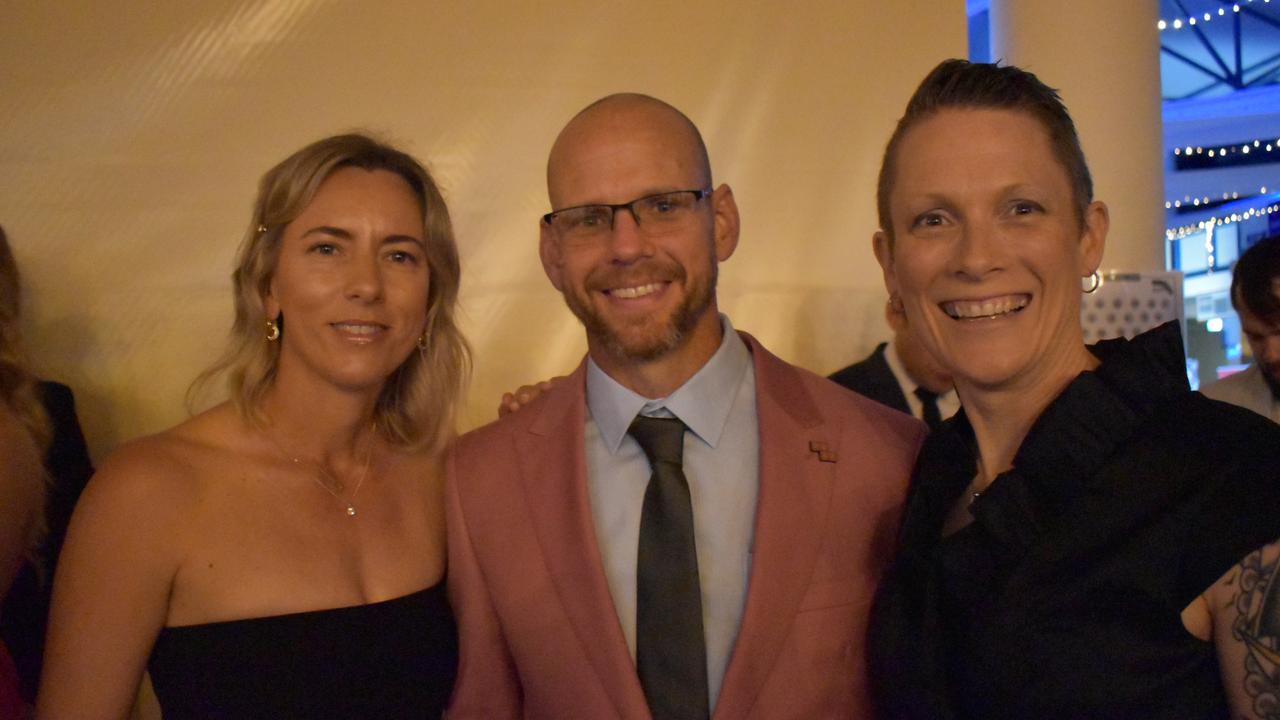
<point x="790" y="516"/>
<point x="889" y="391"/>
<point x="553" y="472"/>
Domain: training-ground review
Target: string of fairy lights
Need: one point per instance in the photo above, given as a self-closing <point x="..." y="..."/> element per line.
<point x="1257" y="151"/>
<point x="1192" y="20"/>
<point x="1191" y="203"/>
<point x="1178" y="233"/>
<point x="1227" y="208"/>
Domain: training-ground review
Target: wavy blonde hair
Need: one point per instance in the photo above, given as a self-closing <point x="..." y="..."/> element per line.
<point x="418" y="404"/>
<point x="18" y="389"/>
<point x="18" y="386"/>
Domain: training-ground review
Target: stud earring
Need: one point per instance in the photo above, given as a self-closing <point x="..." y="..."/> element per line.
<point x="273" y="331"/>
<point x="422" y="342"/>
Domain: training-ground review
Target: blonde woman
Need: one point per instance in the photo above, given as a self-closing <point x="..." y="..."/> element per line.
<point x="23" y="432"/>
<point x="282" y="554"/>
<point x="66" y="469"/>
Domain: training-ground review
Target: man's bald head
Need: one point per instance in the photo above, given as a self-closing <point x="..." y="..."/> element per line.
<point x="622" y="118"/>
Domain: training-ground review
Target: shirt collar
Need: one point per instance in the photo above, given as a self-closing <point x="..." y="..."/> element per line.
<point x="703" y="402"/>
<point x="894" y="361"/>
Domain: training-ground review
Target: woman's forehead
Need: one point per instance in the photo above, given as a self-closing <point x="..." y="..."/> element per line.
<point x="982" y="148"/>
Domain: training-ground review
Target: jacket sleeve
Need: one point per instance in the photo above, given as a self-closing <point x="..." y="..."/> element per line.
<point x="487" y="685"/>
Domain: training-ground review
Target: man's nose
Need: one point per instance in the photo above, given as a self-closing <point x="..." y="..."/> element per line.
<point x="627" y="240"/>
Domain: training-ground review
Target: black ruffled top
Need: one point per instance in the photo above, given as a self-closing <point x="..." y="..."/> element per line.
<point x="1129" y="497"/>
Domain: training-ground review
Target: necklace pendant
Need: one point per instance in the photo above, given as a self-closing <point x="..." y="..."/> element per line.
<point x="351" y="511"/>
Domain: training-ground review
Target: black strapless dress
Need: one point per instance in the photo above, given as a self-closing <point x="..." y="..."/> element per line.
<point x="391" y="659"/>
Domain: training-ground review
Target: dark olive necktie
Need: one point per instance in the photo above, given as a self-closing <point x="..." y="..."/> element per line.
<point x="929" y="404"/>
<point x="671" y="652"/>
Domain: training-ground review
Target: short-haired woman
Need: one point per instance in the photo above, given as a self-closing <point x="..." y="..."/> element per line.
<point x="1087" y="538"/>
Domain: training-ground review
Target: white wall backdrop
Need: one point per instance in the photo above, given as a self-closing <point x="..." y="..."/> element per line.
<point x="132" y="136"/>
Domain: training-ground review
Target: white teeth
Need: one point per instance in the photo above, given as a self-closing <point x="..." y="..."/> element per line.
<point x="963" y="309"/>
<point x="357" y="329"/>
<point x="635" y="292"/>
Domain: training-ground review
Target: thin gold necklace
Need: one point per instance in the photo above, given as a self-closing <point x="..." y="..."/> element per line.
<point x="338" y="486"/>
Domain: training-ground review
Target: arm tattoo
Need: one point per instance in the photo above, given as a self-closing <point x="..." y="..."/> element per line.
<point x="1257" y="625"/>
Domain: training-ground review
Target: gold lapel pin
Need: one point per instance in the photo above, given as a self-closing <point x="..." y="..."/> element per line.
<point x="824" y="451"/>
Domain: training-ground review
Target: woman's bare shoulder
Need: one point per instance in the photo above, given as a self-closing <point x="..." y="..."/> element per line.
<point x="171" y="466"/>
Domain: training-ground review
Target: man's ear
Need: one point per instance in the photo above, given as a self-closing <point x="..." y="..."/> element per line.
<point x="727" y="222"/>
<point x="882" y="246"/>
<point x="550" y="254"/>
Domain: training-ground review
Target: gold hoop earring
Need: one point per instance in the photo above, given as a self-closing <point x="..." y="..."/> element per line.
<point x="1095" y="282"/>
<point x="273" y="331"/>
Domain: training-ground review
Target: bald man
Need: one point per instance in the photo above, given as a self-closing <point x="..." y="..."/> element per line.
<point x="686" y="526"/>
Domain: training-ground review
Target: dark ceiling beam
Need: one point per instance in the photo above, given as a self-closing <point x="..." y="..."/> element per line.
<point x="1220" y="77"/>
<point x="1266" y="76"/>
<point x="1260" y="63"/>
<point x="1239" y="43"/>
<point x="1197" y="92"/>
<point x="1204" y="40"/>
<point x="1254" y="13"/>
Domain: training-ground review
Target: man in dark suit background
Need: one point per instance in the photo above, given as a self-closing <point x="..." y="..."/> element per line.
<point x="903" y="375"/>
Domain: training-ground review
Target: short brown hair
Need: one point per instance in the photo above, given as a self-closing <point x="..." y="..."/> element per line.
<point x="1255" y="278"/>
<point x="961" y="84"/>
<point x="419" y="401"/>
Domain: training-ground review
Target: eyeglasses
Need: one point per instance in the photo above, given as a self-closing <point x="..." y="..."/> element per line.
<point x="654" y="215"/>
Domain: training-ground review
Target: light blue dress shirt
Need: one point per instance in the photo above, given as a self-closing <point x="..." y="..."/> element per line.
<point x="722" y="464"/>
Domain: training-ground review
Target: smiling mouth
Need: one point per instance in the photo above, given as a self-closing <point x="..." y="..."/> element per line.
<point x="359" y="328"/>
<point x="635" y="291"/>
<point x="985" y="309"/>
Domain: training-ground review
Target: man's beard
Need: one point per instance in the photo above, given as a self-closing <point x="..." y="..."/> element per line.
<point x="1271" y="374"/>
<point x="645" y="338"/>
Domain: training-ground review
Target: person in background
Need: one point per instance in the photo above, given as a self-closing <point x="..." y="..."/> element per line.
<point x="1255" y="295"/>
<point x="24" y="433"/>
<point x="902" y="374"/>
<point x="24" y="613"/>
<point x="282" y="554"/>
<point x="686" y="526"/>
<point x="1086" y="538"/>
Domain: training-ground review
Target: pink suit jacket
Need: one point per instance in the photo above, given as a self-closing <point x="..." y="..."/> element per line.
<point x="538" y="633"/>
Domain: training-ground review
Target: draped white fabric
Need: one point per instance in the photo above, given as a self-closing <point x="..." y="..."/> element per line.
<point x="132" y="136"/>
